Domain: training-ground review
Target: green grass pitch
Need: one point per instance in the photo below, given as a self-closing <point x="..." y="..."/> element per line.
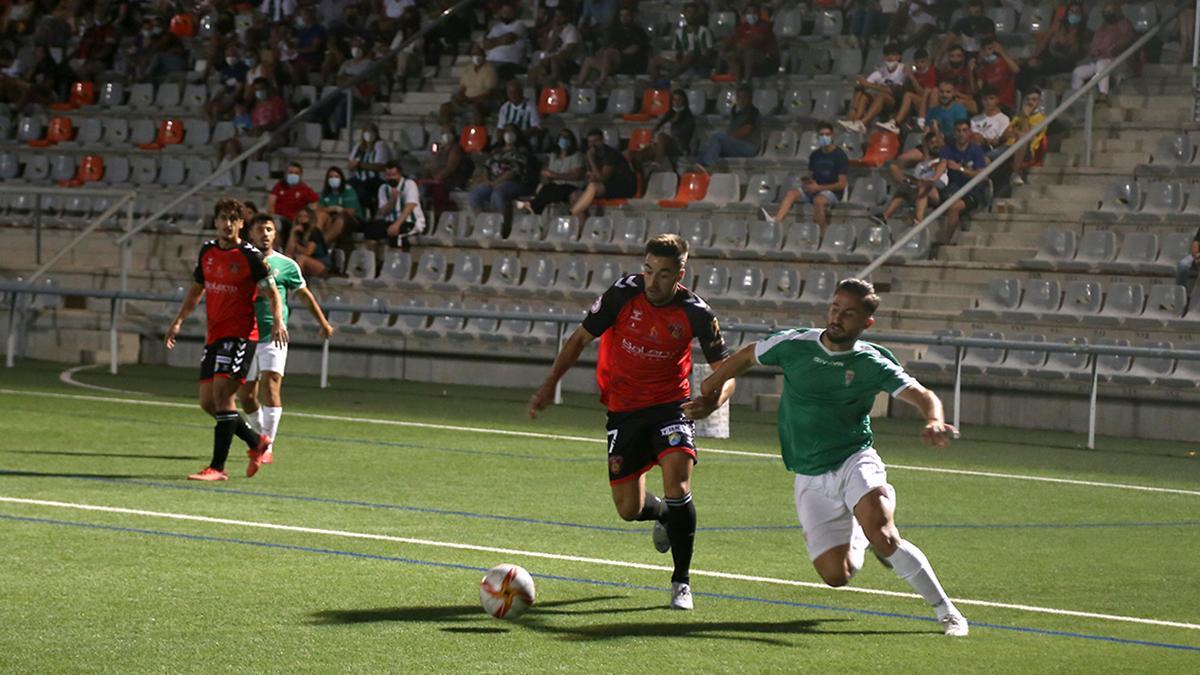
<point x="364" y="578"/>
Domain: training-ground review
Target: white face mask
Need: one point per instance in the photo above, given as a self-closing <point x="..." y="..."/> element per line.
<point x="368" y="136"/>
<point x="231" y="60"/>
<point x="891" y="65"/>
<point x="447" y="137"/>
<point x="751" y="19"/>
<point x="510" y="138"/>
<point x="356" y="52"/>
<point x="477" y="60"/>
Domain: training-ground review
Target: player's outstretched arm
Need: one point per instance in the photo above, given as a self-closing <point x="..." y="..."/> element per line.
<point x="279" y="331"/>
<point x="936" y="432"/>
<point x="190" y="300"/>
<point x="327" y="329"/>
<point x="719" y="386"/>
<point x="702" y="406"/>
<point x="571" y="351"/>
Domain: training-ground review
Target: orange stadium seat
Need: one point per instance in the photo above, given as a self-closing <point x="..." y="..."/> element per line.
<point x="655" y="103"/>
<point x="170" y="132"/>
<point x="82" y="94"/>
<point x="640" y="138"/>
<point x="692" y="188"/>
<point x="473" y="138"/>
<point x="91" y="170"/>
<point x="61" y="129"/>
<point x="552" y="101"/>
<point x="183" y="25"/>
<point x="882" y="147"/>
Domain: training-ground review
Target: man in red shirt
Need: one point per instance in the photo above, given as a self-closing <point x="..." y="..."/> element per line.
<point x="998" y="71"/>
<point x="752" y="50"/>
<point x="230" y="273"/>
<point x="290" y="195"/>
<point x="646" y="324"/>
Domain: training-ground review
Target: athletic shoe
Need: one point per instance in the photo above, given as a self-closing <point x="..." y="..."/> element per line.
<point x="767" y="216"/>
<point x="955" y="625"/>
<point x="268" y="457"/>
<point x="1017" y="181"/>
<point x="662" y="543"/>
<point x="921" y="123"/>
<point x="256" y="455"/>
<point x="889" y="125"/>
<point x="848" y="125"/>
<point x="681" y="596"/>
<point x="209" y="474"/>
<point x="859" y="127"/>
<point x="878" y="220"/>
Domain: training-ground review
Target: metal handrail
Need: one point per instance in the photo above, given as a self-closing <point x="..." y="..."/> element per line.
<point x="1088" y="89"/>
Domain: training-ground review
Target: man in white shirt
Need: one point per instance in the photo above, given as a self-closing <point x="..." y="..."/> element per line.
<point x="988" y="127"/>
<point x="400" y="215"/>
<point x="506" y="43"/>
<point x="883" y="88"/>
<point x="562" y="48"/>
<point x="519" y="111"/>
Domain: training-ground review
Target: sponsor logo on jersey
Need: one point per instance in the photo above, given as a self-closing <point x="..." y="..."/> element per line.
<point x="849" y="377"/>
<point x="675" y="330"/>
<point x="614" y="464"/>
<point x="674" y="440"/>
<point x="824" y="362"/>
<point x="674" y="430"/>
<point x="638" y="350"/>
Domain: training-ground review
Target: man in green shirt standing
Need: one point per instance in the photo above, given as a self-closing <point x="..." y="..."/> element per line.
<point x="265" y="379"/>
<point x="843" y="499"/>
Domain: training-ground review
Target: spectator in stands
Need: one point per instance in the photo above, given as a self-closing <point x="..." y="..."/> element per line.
<point x="825" y="183"/>
<point x="97" y="47"/>
<point x="609" y="175"/>
<point x="692" y="52"/>
<point x="446" y="37"/>
<point x="597" y="14"/>
<point x="752" y="50"/>
<point x="988" y="127"/>
<point x="743" y="136"/>
<point x="560" y="51"/>
<point x="996" y="70"/>
<point x="920" y="16"/>
<point x="233" y="84"/>
<point x="918" y="176"/>
<point x="1109" y="40"/>
<point x="948" y="112"/>
<point x="310" y="36"/>
<point x="883" y="88"/>
<point x="263" y="64"/>
<point x="505" y="43"/>
<point x="964" y="160"/>
<point x="866" y="20"/>
<point x="563" y="178"/>
<point x="399" y="214"/>
<point x="361" y="93"/>
<point x="477" y="90"/>
<point x="960" y="73"/>
<point x="338" y="209"/>
<point x="1030" y="115"/>
<point x="970" y="31"/>
<point x="18" y="17"/>
<point x="270" y="110"/>
<point x="278" y="11"/>
<point x="626" y="51"/>
<point x="449" y="168"/>
<point x="504" y="175"/>
<point x="369" y="158"/>
<point x="306" y="244"/>
<point x="1058" y="49"/>
<point x="920" y="85"/>
<point x="290" y="195"/>
<point x="1189" y="262"/>
<point x="408" y="60"/>
<point x="168" y="54"/>
<point x="46" y="81"/>
<point x="672" y="135"/>
<point x="520" y="112"/>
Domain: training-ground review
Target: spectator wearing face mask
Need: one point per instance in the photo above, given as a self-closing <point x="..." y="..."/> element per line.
<point x="232" y="73"/>
<point x="964" y="161"/>
<point x="504" y="174"/>
<point x="361" y="93"/>
<point x="449" y="168"/>
<point x="752" y="50"/>
<point x="922" y="82"/>
<point x="959" y="72"/>
<point x="672" y="135"/>
<point x="338" y="209"/>
<point x="970" y="31"/>
<point x="692" y="49"/>
<point x="996" y="70"/>
<point x="562" y="178"/>
<point x="97" y="47"/>
<point x="609" y="175"/>
<point x="988" y="127"/>
<point x="269" y="111"/>
<point x="399" y="215"/>
<point x="882" y="89"/>
<point x="369" y="158"/>
<point x="1058" y="49"/>
<point x="1030" y="115"/>
<point x="478" y="86"/>
<point x="518" y="111"/>
<point x="310" y="37"/>
<point x="825" y="183"/>
<point x="290" y="195"/>
<point x="625" y="50"/>
<point x="1109" y="40"/>
<point x="918" y="177"/>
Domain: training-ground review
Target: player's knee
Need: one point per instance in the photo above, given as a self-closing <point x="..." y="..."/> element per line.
<point x="835" y="578"/>
<point x="884" y="540"/>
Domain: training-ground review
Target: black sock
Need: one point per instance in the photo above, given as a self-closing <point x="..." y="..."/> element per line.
<point x="653" y="508"/>
<point x="222" y="438"/>
<point x="244" y="431"/>
<point x="681" y="530"/>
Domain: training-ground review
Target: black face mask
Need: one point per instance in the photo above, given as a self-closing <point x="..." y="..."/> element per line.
<point x="394" y="182"/>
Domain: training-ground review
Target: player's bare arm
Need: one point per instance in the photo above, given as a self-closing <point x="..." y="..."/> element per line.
<point x="723" y="376"/>
<point x="570" y="353"/>
<point x="327" y="329"/>
<point x="190" y="300"/>
<point x="279" y="332"/>
<point x="703" y="405"/>
<point x="936" y="432"/>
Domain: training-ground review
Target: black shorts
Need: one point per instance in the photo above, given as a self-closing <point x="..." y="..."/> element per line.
<point x="228" y="357"/>
<point x="638" y="439"/>
<point x="970" y="203"/>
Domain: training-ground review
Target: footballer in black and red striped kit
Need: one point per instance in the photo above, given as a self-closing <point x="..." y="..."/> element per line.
<point x="646" y="324"/>
<point x="230" y="274"/>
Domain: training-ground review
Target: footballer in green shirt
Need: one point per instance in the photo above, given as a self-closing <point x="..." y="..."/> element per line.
<point x="260" y="395"/>
<point x="843" y="499"/>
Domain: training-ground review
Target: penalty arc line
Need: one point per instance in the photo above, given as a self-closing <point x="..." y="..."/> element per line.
<point x="588" y="439"/>
<point x="580" y="559"/>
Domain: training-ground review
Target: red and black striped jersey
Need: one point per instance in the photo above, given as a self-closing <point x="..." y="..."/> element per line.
<point x="646" y="351"/>
<point x="230" y="277"/>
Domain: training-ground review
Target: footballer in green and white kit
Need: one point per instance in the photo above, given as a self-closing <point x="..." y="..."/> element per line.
<point x="265" y="379"/>
<point x="843" y="499"/>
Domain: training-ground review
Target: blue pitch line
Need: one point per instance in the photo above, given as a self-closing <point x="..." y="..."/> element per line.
<point x="583" y="526"/>
<point x="591" y="582"/>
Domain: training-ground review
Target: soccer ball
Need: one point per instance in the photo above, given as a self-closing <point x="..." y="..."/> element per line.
<point x="506" y="591"/>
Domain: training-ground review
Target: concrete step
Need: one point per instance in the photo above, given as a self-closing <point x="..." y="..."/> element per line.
<point x="1066" y="193"/>
<point x="930" y="301"/>
<point x="985" y="254"/>
<point x="1113" y="160"/>
<point x="976" y="237"/>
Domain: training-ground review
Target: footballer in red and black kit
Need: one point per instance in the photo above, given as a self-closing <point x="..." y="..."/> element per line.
<point x="230" y="274"/>
<point x="646" y="323"/>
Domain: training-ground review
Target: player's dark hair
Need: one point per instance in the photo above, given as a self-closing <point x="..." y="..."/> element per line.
<point x="892" y="48"/>
<point x="921" y="53"/>
<point x="668" y="246"/>
<point x="863" y="290"/>
<point x="231" y="209"/>
<point x="822" y="126"/>
<point x="259" y="219"/>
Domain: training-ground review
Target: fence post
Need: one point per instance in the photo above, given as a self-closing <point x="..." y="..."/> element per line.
<point x="112" y="336"/>
<point x="558" y="399"/>
<point x="1088" y="111"/>
<point x="1092" y="405"/>
<point x="10" y="353"/>
<point x="350" y="119"/>
<point x="325" y="363"/>
<point x="37" y="228"/>
<point x="958" y="359"/>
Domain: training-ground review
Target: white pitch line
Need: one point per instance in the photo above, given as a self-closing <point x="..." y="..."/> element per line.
<point x="68" y="377"/>
<point x="581" y="559"/>
<point x="588" y="439"/>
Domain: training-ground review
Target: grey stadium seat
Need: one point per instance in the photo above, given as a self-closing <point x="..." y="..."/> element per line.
<point x="1081" y="300"/>
<point x="1122" y="302"/>
<point x="1002" y="296"/>
<point x="1042" y="298"/>
<point x="819" y="286"/>
<point x="1060" y="365"/>
<point x="1138" y="252"/>
<point x="397" y="267"/>
<point x="938" y="357"/>
<point x="1019" y="362"/>
<point x="1055" y="248"/>
<point x="1096" y="247"/>
<point x="783" y="285"/>
<point x="982" y="359"/>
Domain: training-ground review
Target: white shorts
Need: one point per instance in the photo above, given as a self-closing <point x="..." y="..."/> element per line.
<point x="825" y="503"/>
<point x="267" y="357"/>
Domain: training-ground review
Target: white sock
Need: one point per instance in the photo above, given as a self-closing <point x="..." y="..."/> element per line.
<point x="911" y="565"/>
<point x="271" y="417"/>
<point x="255" y="419"/>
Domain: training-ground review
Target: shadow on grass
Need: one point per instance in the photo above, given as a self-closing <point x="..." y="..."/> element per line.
<point x="119" y="455"/>
<point x="47" y="474"/>
<point x="455" y="612"/>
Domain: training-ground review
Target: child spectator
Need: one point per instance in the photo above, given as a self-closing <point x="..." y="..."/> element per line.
<point x="883" y="88"/>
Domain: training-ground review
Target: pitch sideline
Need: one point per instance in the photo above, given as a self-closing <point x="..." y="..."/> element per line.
<point x="580" y="559"/>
